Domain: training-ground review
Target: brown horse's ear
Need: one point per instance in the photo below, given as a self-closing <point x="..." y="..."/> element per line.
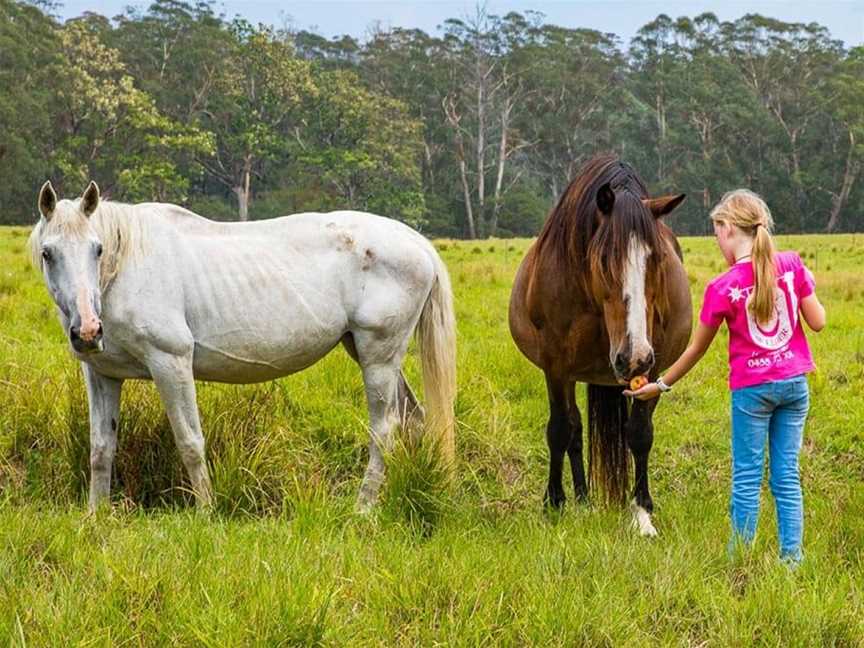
<point x="47" y="200"/>
<point x="90" y="199"/>
<point x="605" y="199"/>
<point x="664" y="204"/>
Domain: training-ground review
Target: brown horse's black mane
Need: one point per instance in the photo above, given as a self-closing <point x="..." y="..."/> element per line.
<point x="575" y="233"/>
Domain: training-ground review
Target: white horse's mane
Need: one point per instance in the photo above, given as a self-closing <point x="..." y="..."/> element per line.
<point x="116" y="224"/>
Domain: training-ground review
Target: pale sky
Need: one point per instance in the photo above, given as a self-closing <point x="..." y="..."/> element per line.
<point x="844" y="18"/>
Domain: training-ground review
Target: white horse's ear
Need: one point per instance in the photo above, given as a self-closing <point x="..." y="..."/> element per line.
<point x="47" y="200"/>
<point x="90" y="199"/>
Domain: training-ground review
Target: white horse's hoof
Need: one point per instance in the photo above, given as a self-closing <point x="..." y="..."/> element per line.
<point x="642" y="521"/>
<point x="364" y="506"/>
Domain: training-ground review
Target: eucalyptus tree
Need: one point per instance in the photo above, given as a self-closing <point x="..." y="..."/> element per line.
<point x="108" y="128"/>
<point x="175" y="50"/>
<point x="472" y="131"/>
<point x="573" y="86"/>
<point x="28" y="102"/>
<point x="847" y="101"/>
<point x="485" y="95"/>
<point x="258" y="92"/>
<point x="788" y="67"/>
<point x="363" y="147"/>
<point x="410" y="65"/>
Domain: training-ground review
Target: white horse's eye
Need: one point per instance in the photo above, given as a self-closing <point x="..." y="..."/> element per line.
<point x="46" y="254"/>
<point x="98" y="250"/>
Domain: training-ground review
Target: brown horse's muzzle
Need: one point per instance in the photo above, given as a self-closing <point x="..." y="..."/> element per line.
<point x="626" y="366"/>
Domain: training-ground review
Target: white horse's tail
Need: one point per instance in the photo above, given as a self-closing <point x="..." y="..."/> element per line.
<point x="437" y="336"/>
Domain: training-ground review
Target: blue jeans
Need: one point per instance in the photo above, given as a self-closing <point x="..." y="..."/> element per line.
<point x="775" y="412"/>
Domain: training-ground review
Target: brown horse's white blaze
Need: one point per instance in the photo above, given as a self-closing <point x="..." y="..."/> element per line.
<point x="637" y="355"/>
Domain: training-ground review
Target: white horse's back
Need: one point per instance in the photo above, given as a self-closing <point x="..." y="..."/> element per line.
<point x="268" y="298"/>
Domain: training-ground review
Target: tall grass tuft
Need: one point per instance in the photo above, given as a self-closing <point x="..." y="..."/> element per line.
<point x="417" y="488"/>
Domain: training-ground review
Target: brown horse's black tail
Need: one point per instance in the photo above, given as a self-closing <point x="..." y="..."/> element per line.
<point x="608" y="457"/>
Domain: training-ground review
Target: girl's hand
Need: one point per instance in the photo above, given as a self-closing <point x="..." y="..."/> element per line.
<point x="649" y="391"/>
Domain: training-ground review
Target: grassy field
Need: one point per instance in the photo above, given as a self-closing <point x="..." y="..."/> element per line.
<point x="284" y="561"/>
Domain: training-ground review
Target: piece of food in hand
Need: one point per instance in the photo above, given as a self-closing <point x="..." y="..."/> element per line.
<point x="638" y="383"/>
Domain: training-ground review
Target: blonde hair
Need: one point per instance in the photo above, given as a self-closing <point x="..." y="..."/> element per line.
<point x="748" y="212"/>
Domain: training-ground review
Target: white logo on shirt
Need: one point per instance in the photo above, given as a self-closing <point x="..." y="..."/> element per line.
<point x="778" y="331"/>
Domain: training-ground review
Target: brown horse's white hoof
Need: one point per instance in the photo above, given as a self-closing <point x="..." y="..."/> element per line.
<point x="642" y="521"/>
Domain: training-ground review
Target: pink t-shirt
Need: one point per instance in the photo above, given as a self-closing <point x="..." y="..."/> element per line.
<point x="758" y="355"/>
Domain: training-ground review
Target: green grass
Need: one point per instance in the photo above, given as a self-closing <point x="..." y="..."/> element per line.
<point x="284" y="561"/>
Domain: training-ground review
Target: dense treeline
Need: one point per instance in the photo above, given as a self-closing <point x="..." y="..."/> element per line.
<point x="470" y="132"/>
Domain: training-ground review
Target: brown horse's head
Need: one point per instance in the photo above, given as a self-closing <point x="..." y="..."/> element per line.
<point x="625" y="256"/>
<point x="610" y="237"/>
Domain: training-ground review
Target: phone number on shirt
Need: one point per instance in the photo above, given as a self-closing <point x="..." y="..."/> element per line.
<point x="782" y="356"/>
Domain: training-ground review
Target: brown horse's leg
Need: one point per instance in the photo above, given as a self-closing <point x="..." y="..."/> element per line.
<point x="640" y="438"/>
<point x="558" y="435"/>
<point x="574" y="450"/>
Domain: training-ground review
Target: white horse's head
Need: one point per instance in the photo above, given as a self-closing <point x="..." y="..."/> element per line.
<point x="68" y="250"/>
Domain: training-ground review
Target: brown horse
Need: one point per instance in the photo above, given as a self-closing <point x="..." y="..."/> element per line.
<point x="602" y="297"/>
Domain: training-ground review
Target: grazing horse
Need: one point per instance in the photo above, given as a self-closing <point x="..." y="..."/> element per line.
<point x="154" y="291"/>
<point x="602" y="297"/>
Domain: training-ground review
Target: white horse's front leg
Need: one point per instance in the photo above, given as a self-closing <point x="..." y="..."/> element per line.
<point x="176" y="387"/>
<point x="103" y="395"/>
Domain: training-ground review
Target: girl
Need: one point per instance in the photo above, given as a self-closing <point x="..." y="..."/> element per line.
<point x="759" y="298"/>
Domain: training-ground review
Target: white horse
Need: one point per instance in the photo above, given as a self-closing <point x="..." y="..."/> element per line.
<point x="157" y="292"/>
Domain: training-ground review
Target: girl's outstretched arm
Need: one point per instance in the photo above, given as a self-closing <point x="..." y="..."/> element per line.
<point x="702" y="339"/>
<point x="813" y="312"/>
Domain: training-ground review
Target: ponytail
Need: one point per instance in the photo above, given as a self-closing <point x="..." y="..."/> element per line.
<point x="748" y="212"/>
<point x="761" y="304"/>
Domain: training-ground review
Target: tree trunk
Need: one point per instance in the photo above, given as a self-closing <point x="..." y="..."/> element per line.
<point x="661" y="130"/>
<point x="800" y="198"/>
<point x="242" y="203"/>
<point x="430" y="169"/>
<point x="242" y="191"/>
<point x="454" y="118"/>
<point x="849" y="175"/>
<point x="499" y="180"/>
<point x="466" y="192"/>
<point x="481" y="142"/>
<point x="351" y="193"/>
